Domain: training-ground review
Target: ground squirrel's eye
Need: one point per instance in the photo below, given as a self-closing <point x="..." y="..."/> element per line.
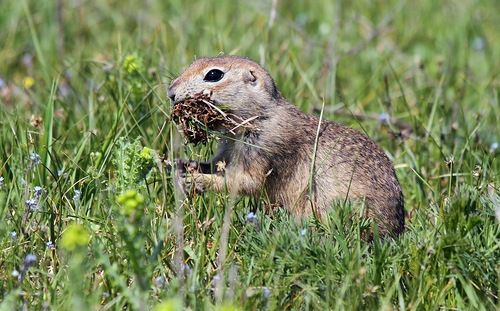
<point x="213" y="75"/>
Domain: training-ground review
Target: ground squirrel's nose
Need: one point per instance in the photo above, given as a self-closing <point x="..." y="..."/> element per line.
<point x="171" y="94"/>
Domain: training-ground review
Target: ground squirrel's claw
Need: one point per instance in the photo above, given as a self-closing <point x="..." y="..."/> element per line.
<point x="182" y="166"/>
<point x="192" y="166"/>
<point x="191" y="184"/>
<point x="168" y="166"/>
<point x="186" y="172"/>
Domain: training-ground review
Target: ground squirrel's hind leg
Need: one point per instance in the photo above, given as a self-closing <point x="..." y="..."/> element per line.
<point x="388" y="214"/>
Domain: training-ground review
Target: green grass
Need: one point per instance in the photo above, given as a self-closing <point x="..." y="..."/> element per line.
<point x="94" y="74"/>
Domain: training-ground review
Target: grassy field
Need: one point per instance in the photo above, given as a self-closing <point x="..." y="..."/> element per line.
<point x="89" y="219"/>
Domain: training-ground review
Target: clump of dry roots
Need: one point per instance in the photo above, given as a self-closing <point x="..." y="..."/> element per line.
<point x="198" y="116"/>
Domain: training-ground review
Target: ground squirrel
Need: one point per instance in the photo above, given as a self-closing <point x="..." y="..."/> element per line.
<point x="274" y="157"/>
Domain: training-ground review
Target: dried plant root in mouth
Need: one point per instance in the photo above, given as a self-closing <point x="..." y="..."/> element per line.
<point x="198" y="115"/>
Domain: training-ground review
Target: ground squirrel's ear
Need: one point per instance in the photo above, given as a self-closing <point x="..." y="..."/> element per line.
<point x="249" y="77"/>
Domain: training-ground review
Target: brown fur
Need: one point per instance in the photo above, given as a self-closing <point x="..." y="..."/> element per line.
<point x="276" y="157"/>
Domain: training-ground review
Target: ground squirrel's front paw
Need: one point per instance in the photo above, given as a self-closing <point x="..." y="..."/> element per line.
<point x="186" y="166"/>
<point x="192" y="183"/>
<point x="187" y="176"/>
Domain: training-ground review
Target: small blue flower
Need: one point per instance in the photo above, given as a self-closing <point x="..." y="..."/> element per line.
<point x="251" y="217"/>
<point x="35" y="158"/>
<point x="215" y="280"/>
<point x="160" y="281"/>
<point x="50" y="245"/>
<point x="303" y="232"/>
<point x="32" y="204"/>
<point x="266" y="292"/>
<point x="29" y="260"/>
<point x="38" y="191"/>
<point x="493" y="147"/>
<point x="1" y="182"/>
<point x="478" y="44"/>
<point x="64" y="90"/>
<point x="27" y="60"/>
<point x="76" y="196"/>
<point x="384" y="118"/>
<point x="13" y="235"/>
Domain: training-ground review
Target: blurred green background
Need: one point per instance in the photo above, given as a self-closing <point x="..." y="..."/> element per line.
<point x="83" y="86"/>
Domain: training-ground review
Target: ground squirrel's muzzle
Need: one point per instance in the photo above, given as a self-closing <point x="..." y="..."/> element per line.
<point x="171" y="95"/>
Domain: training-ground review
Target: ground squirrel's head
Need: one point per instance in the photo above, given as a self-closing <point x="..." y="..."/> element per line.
<point x="241" y="85"/>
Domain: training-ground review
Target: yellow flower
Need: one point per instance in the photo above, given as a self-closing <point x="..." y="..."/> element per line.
<point x="169" y="305"/>
<point x="132" y="63"/>
<point x="74" y="236"/>
<point x="227" y="307"/>
<point x="129" y="200"/>
<point x="28" y="82"/>
<point x="146" y="153"/>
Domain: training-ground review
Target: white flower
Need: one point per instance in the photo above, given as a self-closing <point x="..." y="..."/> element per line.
<point x="303" y="232"/>
<point x="15" y="273"/>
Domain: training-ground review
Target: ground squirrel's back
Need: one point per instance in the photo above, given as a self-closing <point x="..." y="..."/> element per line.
<point x="275" y="155"/>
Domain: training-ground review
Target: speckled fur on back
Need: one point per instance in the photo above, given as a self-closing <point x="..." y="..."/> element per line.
<point x="275" y="157"/>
